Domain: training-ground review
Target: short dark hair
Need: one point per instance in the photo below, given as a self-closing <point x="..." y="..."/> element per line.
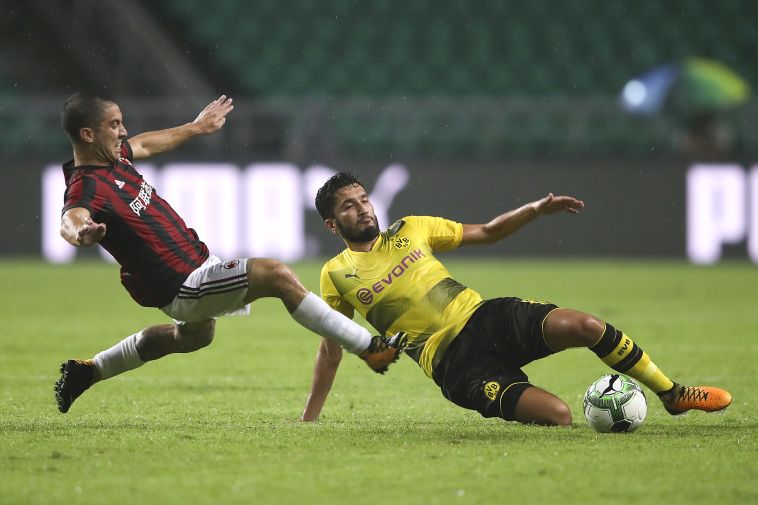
<point x="82" y="110"/>
<point x="326" y="195"/>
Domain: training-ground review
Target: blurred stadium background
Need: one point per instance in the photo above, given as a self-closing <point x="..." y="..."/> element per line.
<point x="465" y="108"/>
<point x="456" y="108"/>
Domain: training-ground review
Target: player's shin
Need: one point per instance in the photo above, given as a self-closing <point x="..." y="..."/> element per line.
<point x="315" y="314"/>
<point x="619" y="351"/>
<point x="120" y="358"/>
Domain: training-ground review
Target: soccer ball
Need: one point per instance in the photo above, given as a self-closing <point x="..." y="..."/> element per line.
<point x="615" y="403"/>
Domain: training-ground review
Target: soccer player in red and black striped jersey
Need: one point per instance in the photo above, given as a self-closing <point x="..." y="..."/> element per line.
<point x="163" y="262"/>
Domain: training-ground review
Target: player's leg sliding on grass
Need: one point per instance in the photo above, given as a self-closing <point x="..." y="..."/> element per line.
<point x="565" y="328"/>
<point x="265" y="278"/>
<point x="474" y="349"/>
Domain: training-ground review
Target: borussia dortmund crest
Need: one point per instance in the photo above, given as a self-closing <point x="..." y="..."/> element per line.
<point x="491" y="389"/>
<point x="402" y="243"/>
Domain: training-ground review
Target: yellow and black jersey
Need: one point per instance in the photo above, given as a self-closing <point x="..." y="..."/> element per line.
<point x="400" y="286"/>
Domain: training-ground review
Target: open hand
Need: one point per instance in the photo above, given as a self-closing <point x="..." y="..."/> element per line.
<point x="213" y="116"/>
<point x="551" y="204"/>
<point x="90" y="232"/>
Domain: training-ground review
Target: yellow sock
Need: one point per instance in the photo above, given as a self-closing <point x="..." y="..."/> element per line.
<point x="619" y="352"/>
<point x="648" y="373"/>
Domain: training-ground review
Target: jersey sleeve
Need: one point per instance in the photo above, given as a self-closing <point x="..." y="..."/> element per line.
<point x="126" y="150"/>
<point x="83" y="192"/>
<point x="441" y="234"/>
<point x="331" y="296"/>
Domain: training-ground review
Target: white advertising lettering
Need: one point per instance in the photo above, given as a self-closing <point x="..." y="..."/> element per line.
<point x="722" y="208"/>
<point x="257" y="211"/>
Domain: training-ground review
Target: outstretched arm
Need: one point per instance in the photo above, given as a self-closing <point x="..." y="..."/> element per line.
<point x="324" y="370"/>
<point x="510" y="222"/>
<point x="78" y="228"/>
<point x="210" y="120"/>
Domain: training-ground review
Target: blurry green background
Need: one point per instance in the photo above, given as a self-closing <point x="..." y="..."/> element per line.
<point x="372" y="79"/>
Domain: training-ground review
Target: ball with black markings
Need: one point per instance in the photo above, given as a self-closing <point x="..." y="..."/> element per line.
<point x="615" y="404"/>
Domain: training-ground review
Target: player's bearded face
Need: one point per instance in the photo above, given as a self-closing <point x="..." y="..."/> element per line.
<point x="354" y="218"/>
<point x="365" y="230"/>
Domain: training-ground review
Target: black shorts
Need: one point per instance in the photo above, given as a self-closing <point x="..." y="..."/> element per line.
<point x="481" y="369"/>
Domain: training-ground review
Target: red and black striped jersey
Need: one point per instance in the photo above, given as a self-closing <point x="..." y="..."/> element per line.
<point x="153" y="245"/>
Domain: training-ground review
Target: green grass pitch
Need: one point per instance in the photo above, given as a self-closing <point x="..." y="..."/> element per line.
<point x="219" y="426"/>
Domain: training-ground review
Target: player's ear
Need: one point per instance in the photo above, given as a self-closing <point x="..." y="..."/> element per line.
<point x="87" y="135"/>
<point x="331" y="225"/>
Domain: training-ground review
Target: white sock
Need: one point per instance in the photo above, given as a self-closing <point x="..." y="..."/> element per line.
<point x="120" y="358"/>
<point x="316" y="315"/>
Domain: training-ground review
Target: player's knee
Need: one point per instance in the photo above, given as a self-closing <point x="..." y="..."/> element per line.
<point x="566" y="328"/>
<point x="560" y="414"/>
<point x="579" y="329"/>
<point x="277" y="276"/>
<point x="555" y="413"/>
<point x="203" y="340"/>
<point x="285" y="284"/>
<point x="196" y="337"/>
<point x="589" y="329"/>
<point x="539" y="407"/>
<point x="282" y="274"/>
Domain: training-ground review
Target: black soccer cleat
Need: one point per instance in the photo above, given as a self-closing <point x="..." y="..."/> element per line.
<point x="382" y="351"/>
<point x="76" y="378"/>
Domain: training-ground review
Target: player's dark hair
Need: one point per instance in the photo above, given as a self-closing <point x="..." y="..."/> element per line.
<point x="326" y="195"/>
<point x="82" y="110"/>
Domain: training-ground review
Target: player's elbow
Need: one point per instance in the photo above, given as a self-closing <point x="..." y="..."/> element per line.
<point x="489" y="234"/>
<point x="486" y="238"/>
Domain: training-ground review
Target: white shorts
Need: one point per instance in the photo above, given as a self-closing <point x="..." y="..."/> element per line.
<point x="214" y="289"/>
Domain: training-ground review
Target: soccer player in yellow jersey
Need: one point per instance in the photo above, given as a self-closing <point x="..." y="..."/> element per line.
<point x="473" y="349"/>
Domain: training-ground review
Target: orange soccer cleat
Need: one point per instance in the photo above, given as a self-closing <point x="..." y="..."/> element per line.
<point x="382" y="352"/>
<point x="680" y="399"/>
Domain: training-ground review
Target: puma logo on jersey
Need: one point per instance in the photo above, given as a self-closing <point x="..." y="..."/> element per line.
<point x="120" y="184"/>
<point x="354" y="274"/>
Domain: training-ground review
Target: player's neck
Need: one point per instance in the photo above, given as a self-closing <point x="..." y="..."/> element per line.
<point x="86" y="157"/>
<point x="362" y="246"/>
